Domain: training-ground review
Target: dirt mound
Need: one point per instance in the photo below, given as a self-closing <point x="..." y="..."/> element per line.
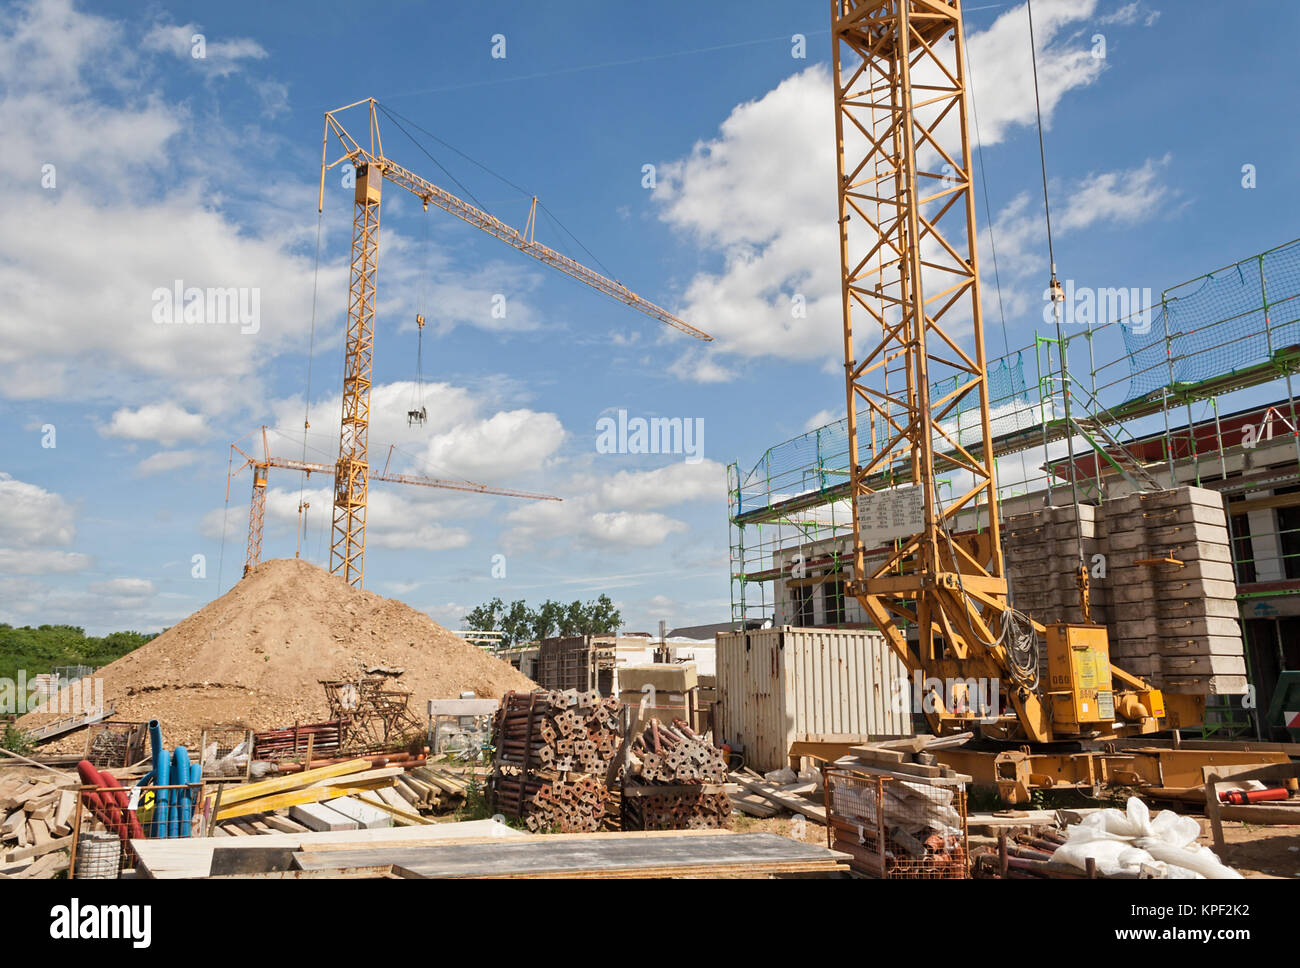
<point x="256" y="656"/>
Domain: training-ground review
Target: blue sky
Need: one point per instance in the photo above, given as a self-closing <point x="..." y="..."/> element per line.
<point x="173" y="167"/>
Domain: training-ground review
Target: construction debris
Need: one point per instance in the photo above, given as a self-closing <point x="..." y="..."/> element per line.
<point x="36" y="817"/>
<point x="898" y="818"/>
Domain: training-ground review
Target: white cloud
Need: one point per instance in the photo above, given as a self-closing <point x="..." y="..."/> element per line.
<point x="761" y="194"/>
<point x="503" y="446"/>
<point x="165" y="423"/>
<point x="124" y="587"/>
<point x="34" y="561"/>
<point x="220" y="56"/>
<point x="31" y="516"/>
<point x="615" y="511"/>
<point x="665" y="486"/>
<point x="820" y="419"/>
<point x="166" y="460"/>
<point x="578" y="522"/>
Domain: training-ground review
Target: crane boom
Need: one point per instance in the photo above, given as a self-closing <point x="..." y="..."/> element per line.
<point x="261" y="474"/>
<point x="373" y="167"/>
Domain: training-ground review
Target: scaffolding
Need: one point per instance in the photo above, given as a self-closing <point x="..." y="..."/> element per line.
<point x="1231" y="333"/>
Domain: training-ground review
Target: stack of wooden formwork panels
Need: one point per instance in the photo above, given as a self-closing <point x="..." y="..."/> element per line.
<point x="1042" y="559"/>
<point x="1169" y="567"/>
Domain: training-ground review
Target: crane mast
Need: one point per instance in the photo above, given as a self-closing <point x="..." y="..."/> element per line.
<point x="910" y="272"/>
<point x="373" y="168"/>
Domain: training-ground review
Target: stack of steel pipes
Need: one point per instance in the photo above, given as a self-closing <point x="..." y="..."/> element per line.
<point x="567" y="803"/>
<point x="674" y="780"/>
<point x="324" y="738"/>
<point x="566" y="731"/>
<point x="552" y="752"/>
<point x="1025" y="855"/>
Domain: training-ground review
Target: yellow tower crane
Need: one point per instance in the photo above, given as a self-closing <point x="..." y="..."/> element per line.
<point x="373" y="167"/>
<point x="909" y="266"/>
<point x="261" y="473"/>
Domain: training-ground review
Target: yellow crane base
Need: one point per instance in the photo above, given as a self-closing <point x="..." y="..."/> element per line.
<point x="1163" y="772"/>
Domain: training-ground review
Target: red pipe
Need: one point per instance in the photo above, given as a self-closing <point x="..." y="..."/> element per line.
<point x="1254" y="796"/>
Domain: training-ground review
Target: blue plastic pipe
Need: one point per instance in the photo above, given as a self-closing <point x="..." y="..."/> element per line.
<point x="162" y="763"/>
<point x="178" y="820"/>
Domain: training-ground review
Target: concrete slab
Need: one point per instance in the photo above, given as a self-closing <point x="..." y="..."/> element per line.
<point x="366" y="816"/>
<point x="317" y="816"/>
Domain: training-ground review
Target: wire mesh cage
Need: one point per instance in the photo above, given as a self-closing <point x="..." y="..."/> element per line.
<point x="114" y="745"/>
<point x="227" y="750"/>
<point x="896" y="828"/>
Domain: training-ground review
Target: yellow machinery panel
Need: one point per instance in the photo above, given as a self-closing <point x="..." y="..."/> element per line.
<point x="370" y="184"/>
<point x="1078" y="669"/>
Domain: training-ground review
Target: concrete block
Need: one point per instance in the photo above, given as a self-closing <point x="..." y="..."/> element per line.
<point x="1200" y="628"/>
<point x="1166" y="575"/>
<point x="1186" y="586"/>
<point x="1188" y="516"/>
<point x="1206" y="685"/>
<point x="366" y="816"/>
<point x="1180" y="497"/>
<point x="1197" y="607"/>
<point x="317" y="816"/>
<point x="1202" y="645"/>
<point x="1203" y="665"/>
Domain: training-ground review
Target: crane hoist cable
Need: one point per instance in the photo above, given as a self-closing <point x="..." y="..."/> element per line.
<point x="416" y="413"/>
<point x="1058" y="297"/>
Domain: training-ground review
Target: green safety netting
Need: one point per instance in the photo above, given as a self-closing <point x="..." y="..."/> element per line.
<point x="1221" y="323"/>
<point x="819" y="460"/>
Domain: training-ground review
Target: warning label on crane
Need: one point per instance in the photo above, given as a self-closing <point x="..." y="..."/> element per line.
<point x="885" y="515"/>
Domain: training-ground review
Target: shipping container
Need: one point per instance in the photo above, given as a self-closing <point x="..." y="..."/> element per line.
<point x="781" y="685"/>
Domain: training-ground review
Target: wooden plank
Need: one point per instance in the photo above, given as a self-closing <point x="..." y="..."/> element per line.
<point x="293" y="781"/>
<point x="45" y="868"/>
<point x="559" y="856"/>
<point x="795" y="804"/>
<point x="63" y="812"/>
<point x="292" y="798"/>
<point x="398" y="814"/>
<point x="192" y="857"/>
<point x="37" y="850"/>
<point x="283" y="824"/>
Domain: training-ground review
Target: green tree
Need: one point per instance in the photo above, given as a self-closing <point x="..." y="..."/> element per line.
<point x="486" y="617"/>
<point x="548" y="620"/>
<point x="516" y="623"/>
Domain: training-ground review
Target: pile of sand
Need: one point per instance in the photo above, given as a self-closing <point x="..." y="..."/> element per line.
<point x="255" y="657"/>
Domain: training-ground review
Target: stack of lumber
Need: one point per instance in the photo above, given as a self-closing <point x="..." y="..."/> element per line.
<point x="898" y="813"/>
<point x="762" y="798"/>
<point x="553" y="750"/>
<point x="673" y="780"/>
<point x="36" y="817"/>
<point x="311" y="786"/>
